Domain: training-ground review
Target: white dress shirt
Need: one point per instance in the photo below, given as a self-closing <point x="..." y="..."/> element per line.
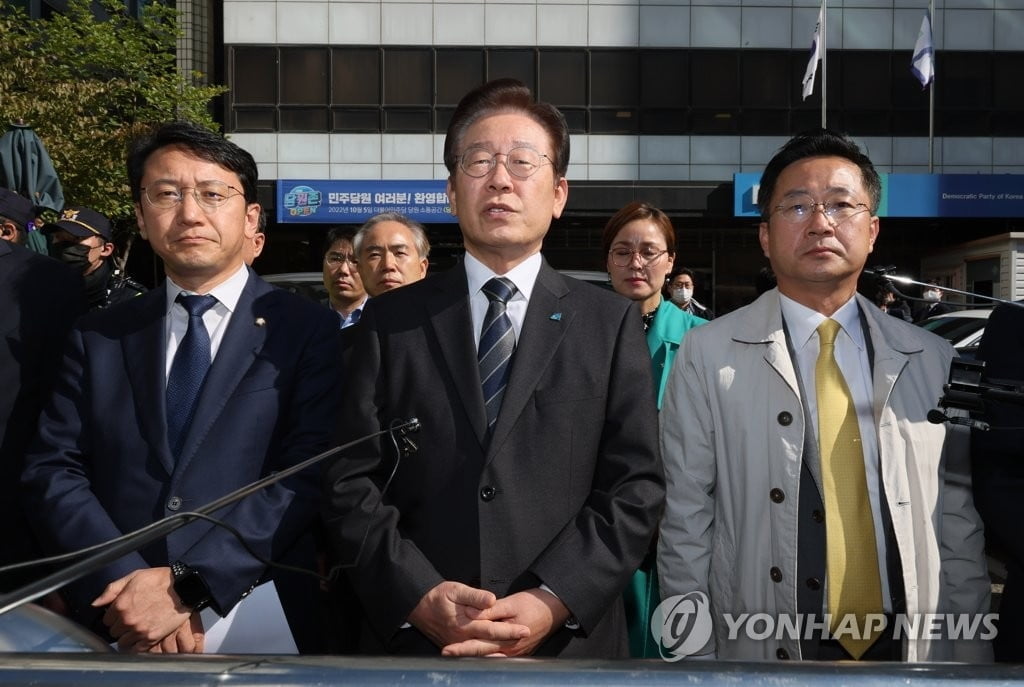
<point x="523" y="275"/>
<point x="216" y="318"/>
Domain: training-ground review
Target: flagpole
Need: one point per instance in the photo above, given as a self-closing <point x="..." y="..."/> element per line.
<point x="824" y="60"/>
<point x="931" y="96"/>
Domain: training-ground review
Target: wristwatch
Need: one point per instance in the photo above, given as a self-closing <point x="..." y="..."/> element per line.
<point x="189" y="586"/>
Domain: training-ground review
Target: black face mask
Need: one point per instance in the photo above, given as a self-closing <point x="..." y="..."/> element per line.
<point x="75" y="255"/>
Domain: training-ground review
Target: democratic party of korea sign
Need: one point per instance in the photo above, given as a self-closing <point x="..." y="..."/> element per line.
<point x="354" y="202"/>
<point x="921" y="195"/>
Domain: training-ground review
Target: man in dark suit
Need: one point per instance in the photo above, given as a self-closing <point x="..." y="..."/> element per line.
<point x="997" y="459"/>
<point x="515" y="526"/>
<point x="41" y="299"/>
<point x="127" y="438"/>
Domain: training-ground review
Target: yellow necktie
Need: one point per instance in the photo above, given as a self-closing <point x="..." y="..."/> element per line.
<point x="854" y="586"/>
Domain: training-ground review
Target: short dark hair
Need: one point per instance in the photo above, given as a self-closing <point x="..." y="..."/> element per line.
<point x="676" y="271"/>
<point x="818" y="143"/>
<point x="419" y="234"/>
<point x="507" y="95"/>
<point x="335" y="234"/>
<point x="638" y="211"/>
<point x="199" y="141"/>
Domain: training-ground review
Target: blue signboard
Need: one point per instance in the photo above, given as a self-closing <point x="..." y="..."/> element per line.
<point x="354" y="202"/>
<point x="922" y="195"/>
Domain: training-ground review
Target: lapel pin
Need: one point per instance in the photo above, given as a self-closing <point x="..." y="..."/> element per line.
<point x="260" y="322"/>
<point x="556" y="316"/>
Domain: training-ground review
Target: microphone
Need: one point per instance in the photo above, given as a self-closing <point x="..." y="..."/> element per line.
<point x="937" y="417"/>
<point x="114" y="549"/>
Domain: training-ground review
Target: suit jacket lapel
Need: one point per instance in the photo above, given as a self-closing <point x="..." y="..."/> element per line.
<point x="890" y="350"/>
<point x="242" y="340"/>
<point x="540" y="338"/>
<point x="145" y="356"/>
<point x="453" y="324"/>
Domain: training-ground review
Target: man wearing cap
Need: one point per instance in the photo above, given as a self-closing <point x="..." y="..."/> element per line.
<point x="82" y="238"/>
<point x="15" y="213"/>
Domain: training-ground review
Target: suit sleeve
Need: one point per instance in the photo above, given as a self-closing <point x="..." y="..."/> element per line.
<point x="613" y="530"/>
<point x="65" y="511"/>
<point x="271" y="520"/>
<point x="688" y="444"/>
<point x="388" y="570"/>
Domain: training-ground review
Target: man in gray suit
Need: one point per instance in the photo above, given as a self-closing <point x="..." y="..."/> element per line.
<point x="536" y="486"/>
<point x="803" y="477"/>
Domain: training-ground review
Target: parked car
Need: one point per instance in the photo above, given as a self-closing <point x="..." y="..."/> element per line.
<point x="962" y="328"/>
<point x="308" y="284"/>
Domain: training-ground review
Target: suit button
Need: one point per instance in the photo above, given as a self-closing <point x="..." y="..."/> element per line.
<point x="775" y="574"/>
<point x="488" y="493"/>
<point x="174" y="503"/>
<point x="785" y="418"/>
<point x="777" y="495"/>
<point x="782" y="654"/>
<point x="813" y="583"/>
<point x="817" y="516"/>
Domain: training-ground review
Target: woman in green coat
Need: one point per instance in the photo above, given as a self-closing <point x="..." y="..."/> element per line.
<point x="640" y="245"/>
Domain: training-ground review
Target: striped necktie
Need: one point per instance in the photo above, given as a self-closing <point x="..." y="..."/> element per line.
<point x="497" y="344"/>
<point x="191" y="362"/>
<point x="854" y="585"/>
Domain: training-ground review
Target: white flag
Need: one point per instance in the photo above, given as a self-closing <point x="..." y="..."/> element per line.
<point x="923" y="64"/>
<point x="816" y="49"/>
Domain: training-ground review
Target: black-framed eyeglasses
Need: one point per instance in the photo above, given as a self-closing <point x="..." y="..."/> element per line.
<point x="335" y="259"/>
<point x="799" y="209"/>
<point x="623" y="257"/>
<point x="520" y="162"/>
<point x="208" y="194"/>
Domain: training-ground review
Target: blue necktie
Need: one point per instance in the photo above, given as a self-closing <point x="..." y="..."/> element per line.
<point x="191" y="362"/>
<point x="497" y="344"/>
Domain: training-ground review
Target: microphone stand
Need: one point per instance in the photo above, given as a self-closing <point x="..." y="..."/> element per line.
<point x="883" y="272"/>
<point x="164" y="526"/>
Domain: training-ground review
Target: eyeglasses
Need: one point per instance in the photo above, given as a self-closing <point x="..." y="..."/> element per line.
<point x="209" y="194"/>
<point x="799" y="209"/>
<point x="520" y="162"/>
<point x="335" y="259"/>
<point x="623" y="257"/>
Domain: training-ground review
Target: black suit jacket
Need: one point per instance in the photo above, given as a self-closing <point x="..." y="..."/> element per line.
<point x="567" y="492"/>
<point x="997" y="460"/>
<point x="42" y="298"/>
<point x="101" y="465"/>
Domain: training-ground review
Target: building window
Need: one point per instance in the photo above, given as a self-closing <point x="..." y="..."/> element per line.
<point x="667" y="91"/>
<point x="254" y="77"/>
<point x="304" y="76"/>
<point x="355" y="76"/>
<point x="458" y="72"/>
<point x="408" y="76"/>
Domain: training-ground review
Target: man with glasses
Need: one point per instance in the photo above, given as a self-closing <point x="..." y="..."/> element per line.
<point x="345" y="292"/>
<point x="391" y="251"/>
<point x="513" y="523"/>
<point x="179" y="396"/>
<point x="804" y="479"/>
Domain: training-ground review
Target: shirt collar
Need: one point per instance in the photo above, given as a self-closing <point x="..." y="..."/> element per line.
<point x="523" y="275"/>
<point x="227" y="292"/>
<point x="802" y="322"/>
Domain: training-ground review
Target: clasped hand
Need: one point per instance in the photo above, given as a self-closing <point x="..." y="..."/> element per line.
<point x="465" y="621"/>
<point x="145" y="614"/>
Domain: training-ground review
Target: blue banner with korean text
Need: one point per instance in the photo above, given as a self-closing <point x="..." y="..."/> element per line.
<point x="353" y="202"/>
<point x="921" y="195"/>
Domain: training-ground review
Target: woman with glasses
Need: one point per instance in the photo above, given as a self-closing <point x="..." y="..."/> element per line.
<point x="639" y="242"/>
